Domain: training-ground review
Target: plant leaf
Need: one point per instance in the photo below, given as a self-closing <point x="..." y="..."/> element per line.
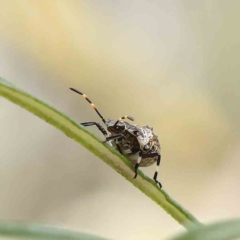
<point x="103" y="151"/>
<point x="226" y="230"/>
<point x="32" y="231"/>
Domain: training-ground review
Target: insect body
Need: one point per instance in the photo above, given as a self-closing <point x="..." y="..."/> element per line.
<point x="137" y="143"/>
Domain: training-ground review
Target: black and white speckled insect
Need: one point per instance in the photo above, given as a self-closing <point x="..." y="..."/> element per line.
<point x="137" y="143"/>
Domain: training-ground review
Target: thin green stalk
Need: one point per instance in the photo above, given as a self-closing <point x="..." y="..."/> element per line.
<point x="225" y="230"/>
<point x="33" y="231"/>
<point x="103" y="151"/>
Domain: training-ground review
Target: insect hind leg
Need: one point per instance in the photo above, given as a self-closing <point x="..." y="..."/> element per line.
<point x="156" y="172"/>
<point x="142" y="156"/>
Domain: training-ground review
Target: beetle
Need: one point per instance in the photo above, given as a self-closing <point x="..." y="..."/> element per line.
<point x="137" y="143"/>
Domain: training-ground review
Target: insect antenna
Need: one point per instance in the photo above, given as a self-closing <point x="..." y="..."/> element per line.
<point x="93" y="106"/>
<point x="124" y="117"/>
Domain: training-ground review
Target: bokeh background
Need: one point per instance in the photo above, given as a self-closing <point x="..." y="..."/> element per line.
<point x="173" y="65"/>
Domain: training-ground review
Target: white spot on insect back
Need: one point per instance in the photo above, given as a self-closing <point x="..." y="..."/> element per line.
<point x="144" y="138"/>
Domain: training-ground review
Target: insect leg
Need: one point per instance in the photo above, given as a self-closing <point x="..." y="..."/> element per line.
<point x="118" y="148"/>
<point x="156" y="172"/>
<point x="98" y="125"/>
<point x="137" y="164"/>
<point x="114" y="137"/>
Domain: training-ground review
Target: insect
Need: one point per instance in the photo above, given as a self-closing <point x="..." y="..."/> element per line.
<point x="137" y="143"/>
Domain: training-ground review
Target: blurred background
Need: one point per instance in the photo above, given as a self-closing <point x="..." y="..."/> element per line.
<point x="173" y="65"/>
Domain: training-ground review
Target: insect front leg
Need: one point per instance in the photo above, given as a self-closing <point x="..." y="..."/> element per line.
<point x="137" y="164"/>
<point x="98" y="125"/>
<point x="100" y="128"/>
<point x="114" y="137"/>
<point x="118" y="147"/>
<point x="156" y="172"/>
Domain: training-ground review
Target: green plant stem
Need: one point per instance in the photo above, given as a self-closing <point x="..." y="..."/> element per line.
<point x="32" y="231"/>
<point x="103" y="151"/>
<point x="226" y="230"/>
